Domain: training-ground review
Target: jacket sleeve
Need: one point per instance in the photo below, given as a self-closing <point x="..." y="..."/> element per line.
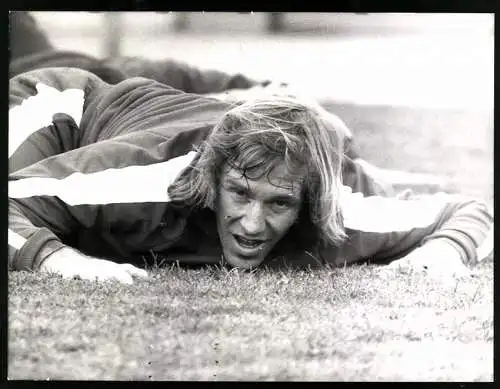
<point x="180" y="75"/>
<point x="53" y="198"/>
<point x="45" y="109"/>
<point x="386" y="228"/>
<point x="103" y="185"/>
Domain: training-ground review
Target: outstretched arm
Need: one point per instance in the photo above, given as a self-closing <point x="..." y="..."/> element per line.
<point x="53" y="199"/>
<point x="383" y="229"/>
<point x="57" y="188"/>
<point x="180" y="75"/>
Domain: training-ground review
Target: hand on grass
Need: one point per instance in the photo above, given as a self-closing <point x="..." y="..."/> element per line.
<point x="436" y="258"/>
<point x="70" y="263"/>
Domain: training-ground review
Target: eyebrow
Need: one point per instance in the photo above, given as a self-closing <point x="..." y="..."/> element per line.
<point x="288" y="196"/>
<point x="233" y="181"/>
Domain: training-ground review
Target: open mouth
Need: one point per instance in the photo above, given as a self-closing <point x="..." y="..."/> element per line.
<point x="248" y="244"/>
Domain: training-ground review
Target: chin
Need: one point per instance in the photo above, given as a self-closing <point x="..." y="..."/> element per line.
<point x="242" y="263"/>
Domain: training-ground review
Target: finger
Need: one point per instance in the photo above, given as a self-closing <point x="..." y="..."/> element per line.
<point x="122" y="277"/>
<point x="57" y="272"/>
<point x="384" y="271"/>
<point x="114" y="272"/>
<point x="103" y="274"/>
<point x="398" y="264"/>
<point x="447" y="274"/>
<point x="87" y="276"/>
<point x="392" y="265"/>
<point x="134" y="271"/>
<point x="67" y="275"/>
<point x="111" y="275"/>
<point x="462" y="273"/>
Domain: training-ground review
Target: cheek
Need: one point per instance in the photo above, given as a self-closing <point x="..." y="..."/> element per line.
<point x="282" y="223"/>
<point x="225" y="207"/>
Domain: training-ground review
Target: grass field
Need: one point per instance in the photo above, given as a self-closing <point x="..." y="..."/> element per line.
<point x="345" y="324"/>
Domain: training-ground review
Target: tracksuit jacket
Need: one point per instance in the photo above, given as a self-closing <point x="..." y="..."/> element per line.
<point x="90" y="164"/>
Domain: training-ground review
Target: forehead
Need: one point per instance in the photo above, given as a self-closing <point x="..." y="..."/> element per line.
<point x="277" y="182"/>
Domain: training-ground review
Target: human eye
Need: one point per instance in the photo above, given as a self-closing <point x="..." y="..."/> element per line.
<point x="239" y="193"/>
<point x="282" y="205"/>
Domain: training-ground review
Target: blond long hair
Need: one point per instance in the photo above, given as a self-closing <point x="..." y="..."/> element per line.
<point x="258" y="135"/>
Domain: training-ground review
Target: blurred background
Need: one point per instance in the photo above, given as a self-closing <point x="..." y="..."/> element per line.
<point x="415" y="89"/>
<point x="437" y="60"/>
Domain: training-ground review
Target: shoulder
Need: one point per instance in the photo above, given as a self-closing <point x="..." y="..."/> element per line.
<point x="55" y="80"/>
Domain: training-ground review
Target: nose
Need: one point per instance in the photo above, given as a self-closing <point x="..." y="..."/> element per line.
<point x="253" y="220"/>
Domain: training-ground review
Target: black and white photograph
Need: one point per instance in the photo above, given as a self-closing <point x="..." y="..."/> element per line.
<point x="250" y="196"/>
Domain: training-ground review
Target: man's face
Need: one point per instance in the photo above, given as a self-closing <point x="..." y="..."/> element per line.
<point x="254" y="214"/>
